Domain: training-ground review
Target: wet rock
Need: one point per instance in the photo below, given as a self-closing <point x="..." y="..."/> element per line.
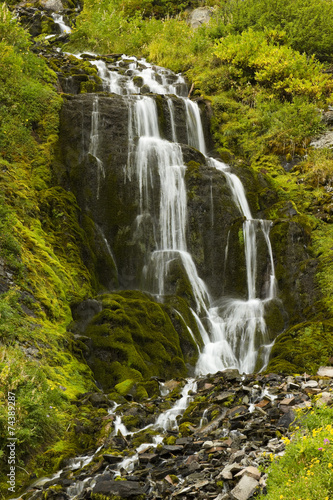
<point x="125" y="489"/>
<point x="231" y="374"/>
<point x="286" y="419"/>
<point x="112" y="459"/>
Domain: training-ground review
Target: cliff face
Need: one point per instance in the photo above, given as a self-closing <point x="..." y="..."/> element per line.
<point x="93" y="160"/>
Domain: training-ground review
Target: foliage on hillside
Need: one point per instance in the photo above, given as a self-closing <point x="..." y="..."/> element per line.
<point x="305" y="471"/>
<point x="260" y="70"/>
<point x="41" y="269"/>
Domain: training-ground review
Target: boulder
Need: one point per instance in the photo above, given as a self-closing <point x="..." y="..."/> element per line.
<point x="124" y="489"/>
<point x="200" y="16"/>
<point x="325" y="371"/>
<point x="52" y="5"/>
<point x="245" y="488"/>
<point x="324" y="398"/>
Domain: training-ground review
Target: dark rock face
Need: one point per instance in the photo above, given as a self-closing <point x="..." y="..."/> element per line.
<point x="125" y="489"/>
<point x="111" y="198"/>
<point x="123" y="239"/>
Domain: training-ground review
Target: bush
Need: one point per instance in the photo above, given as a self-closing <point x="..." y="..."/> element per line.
<point x="308" y="24"/>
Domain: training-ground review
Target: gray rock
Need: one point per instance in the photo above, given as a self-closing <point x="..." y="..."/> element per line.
<point x="324" y="141"/>
<point x="310" y="384"/>
<point x="325" y="398"/>
<point x="245" y="488"/>
<point x="228" y="471"/>
<point x="200" y="16"/>
<point x="53" y="5"/>
<point x="286" y="419"/>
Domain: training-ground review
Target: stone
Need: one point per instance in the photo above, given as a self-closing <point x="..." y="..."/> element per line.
<point x="288" y="401"/>
<point x="237" y="456"/>
<point x="112" y="459"/>
<point x="324" y="141"/>
<point x="200" y="16"/>
<point x="146" y="458"/>
<point x="53" y="5"/>
<point x="325" y="371"/>
<point x="325" y="398"/>
<point x="245" y="488"/>
<point x="311" y="384"/>
<point x="171" y="385"/>
<point x="286" y="419"/>
<point x="224" y="396"/>
<point x="208" y="444"/>
<point x="231" y="374"/>
<point x="125" y="489"/>
<point x="262" y="403"/>
<point x="250" y="471"/>
<point x="227" y="472"/>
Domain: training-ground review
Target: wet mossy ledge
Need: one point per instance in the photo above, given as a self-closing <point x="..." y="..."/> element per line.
<point x="127" y="338"/>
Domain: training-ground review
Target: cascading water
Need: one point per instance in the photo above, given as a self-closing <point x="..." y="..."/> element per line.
<point x="59" y="20"/>
<point x="232" y="330"/>
<point x="94" y="142"/>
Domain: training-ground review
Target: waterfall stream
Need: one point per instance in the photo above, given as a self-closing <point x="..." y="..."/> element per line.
<point x="232" y="329"/>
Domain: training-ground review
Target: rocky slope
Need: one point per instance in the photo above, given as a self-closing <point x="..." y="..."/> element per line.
<point x="214" y="446"/>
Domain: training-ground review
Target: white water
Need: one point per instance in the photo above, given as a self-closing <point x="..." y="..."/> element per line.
<point x="94" y="142"/>
<point x="157" y="80"/>
<point x="233" y="330"/>
<point x="58" y="19"/>
<point x="166" y="421"/>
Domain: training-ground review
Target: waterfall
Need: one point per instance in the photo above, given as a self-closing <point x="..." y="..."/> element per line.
<point x="59" y="20"/>
<point x="158" y="165"/>
<point x="94" y="142"/>
<point x="232" y="330"/>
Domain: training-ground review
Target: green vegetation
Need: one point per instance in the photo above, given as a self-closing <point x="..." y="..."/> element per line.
<point x="133" y="338"/>
<point x="41" y="270"/>
<point x="305" y="471"/>
<point x="266" y="75"/>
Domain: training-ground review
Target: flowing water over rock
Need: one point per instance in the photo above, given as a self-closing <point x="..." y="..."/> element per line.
<point x="233" y="330"/>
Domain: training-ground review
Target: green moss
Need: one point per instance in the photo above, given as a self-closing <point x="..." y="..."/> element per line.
<point x="170" y="440"/>
<point x="185" y="429"/>
<point x="124" y="387"/>
<point x="137" y="339"/>
<point x="302" y="348"/>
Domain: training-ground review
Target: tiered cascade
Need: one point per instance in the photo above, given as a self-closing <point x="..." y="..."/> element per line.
<point x="232" y="330"/>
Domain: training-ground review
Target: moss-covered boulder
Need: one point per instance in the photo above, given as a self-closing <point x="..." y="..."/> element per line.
<point x="302" y="348"/>
<point x="130" y="338"/>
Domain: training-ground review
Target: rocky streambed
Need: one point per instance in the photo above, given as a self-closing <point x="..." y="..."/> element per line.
<point x="209" y="438"/>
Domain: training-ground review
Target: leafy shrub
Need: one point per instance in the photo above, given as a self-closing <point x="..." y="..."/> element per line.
<point x="308" y="24"/>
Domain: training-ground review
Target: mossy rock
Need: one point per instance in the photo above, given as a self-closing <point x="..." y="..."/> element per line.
<point x="302" y="348"/>
<point x="133" y="338"/>
<point x="185" y="429"/>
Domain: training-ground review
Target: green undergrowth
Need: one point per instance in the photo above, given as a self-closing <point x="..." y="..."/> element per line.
<point x="305" y="471"/>
<point x="41" y="268"/>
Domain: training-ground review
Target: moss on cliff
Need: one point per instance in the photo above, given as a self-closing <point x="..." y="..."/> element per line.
<point x="302" y="348"/>
<point x="133" y="339"/>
